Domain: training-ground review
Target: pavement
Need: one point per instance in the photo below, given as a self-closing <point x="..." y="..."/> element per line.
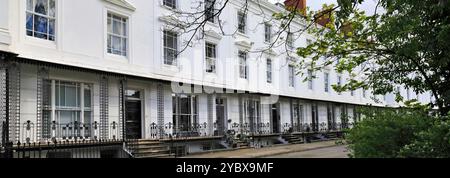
<point x="330" y="152"/>
<point x="329" y="148"/>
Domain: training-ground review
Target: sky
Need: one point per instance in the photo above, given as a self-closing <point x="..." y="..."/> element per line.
<point x="368" y="5"/>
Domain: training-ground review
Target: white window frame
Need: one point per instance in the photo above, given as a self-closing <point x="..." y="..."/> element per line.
<point x="243" y="64"/>
<point x="267" y="33"/>
<point x="339" y="83"/>
<point x="110" y="8"/>
<point x="244" y="22"/>
<point x="290" y="40"/>
<point x="163" y="3"/>
<point x="326" y="78"/>
<point x="211" y="61"/>
<point x="291" y="72"/>
<point x="269" y="70"/>
<point x="126" y="37"/>
<point x="165" y="62"/>
<point x="213" y="19"/>
<point x="54" y="109"/>
<point x="310" y="80"/>
<point x="33" y="13"/>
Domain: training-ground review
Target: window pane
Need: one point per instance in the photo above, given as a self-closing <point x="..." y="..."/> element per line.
<point x="66" y="117"/>
<point x="62" y="96"/>
<point x="40" y="26"/>
<point x="109" y="25"/>
<point x="29" y="21"/>
<point x="87" y="96"/>
<point x="116" y="43"/>
<point x="133" y="94"/>
<point x="30" y="5"/>
<point x="117" y="27"/>
<point x="87" y="117"/>
<point x="71" y="96"/>
<point x="51" y="11"/>
<point x="51" y="30"/>
<point x="117" y="37"/>
<point x="109" y="44"/>
<point x="41" y="7"/>
<point x="185" y="105"/>
<point x="124" y="47"/>
<point x="124" y="28"/>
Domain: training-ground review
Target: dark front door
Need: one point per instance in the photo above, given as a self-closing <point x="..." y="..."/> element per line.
<point x="220" y="113"/>
<point x="133" y="116"/>
<point x="315" y="118"/>
<point x="275" y="119"/>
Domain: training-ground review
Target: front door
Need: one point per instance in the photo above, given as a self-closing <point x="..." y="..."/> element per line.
<point x="315" y="118"/>
<point x="275" y="119"/>
<point x="220" y="114"/>
<point x="133" y="115"/>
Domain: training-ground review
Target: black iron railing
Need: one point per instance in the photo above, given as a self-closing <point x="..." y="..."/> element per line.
<point x="66" y="149"/>
<point x="316" y="128"/>
<point x="171" y="130"/>
<point x="66" y="131"/>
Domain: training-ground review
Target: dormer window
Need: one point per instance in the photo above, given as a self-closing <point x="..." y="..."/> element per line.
<point x="40" y="19"/>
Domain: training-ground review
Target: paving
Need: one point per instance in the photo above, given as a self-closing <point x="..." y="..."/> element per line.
<point x="330" y="152"/>
<point x="272" y="151"/>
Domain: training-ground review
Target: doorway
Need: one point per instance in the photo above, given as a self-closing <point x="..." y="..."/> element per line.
<point x="315" y="118"/>
<point x="275" y="117"/>
<point x="221" y="117"/>
<point x="133" y="126"/>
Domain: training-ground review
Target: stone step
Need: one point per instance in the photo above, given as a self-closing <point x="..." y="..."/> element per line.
<point x="155" y="156"/>
<point x="152" y="152"/>
<point x="144" y="143"/>
<point x="296" y="140"/>
<point x="156" y="148"/>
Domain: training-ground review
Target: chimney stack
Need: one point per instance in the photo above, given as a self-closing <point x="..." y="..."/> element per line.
<point x="323" y="18"/>
<point x="292" y="5"/>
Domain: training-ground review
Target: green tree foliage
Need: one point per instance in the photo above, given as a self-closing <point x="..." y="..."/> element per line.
<point x="384" y="133"/>
<point x="406" y="43"/>
<point x="431" y="143"/>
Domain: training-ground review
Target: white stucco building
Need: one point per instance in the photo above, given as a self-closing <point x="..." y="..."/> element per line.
<point x="109" y="67"/>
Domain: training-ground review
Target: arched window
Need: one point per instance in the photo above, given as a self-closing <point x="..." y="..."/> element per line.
<point x="40" y="19"/>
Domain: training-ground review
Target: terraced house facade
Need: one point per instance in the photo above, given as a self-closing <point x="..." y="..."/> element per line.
<point x="110" y="70"/>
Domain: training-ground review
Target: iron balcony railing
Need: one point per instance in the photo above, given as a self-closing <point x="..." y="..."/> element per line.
<point x="170" y="130"/>
<point x="54" y="131"/>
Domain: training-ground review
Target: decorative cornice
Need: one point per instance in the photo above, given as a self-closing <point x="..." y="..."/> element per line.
<point x="270" y="52"/>
<point x="244" y="44"/>
<point x="172" y="21"/>
<point x="211" y="34"/>
<point x="122" y="3"/>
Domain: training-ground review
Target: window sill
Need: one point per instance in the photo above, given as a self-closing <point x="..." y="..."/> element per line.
<point x="212" y="24"/>
<point x="40" y="42"/>
<point x="243" y="35"/>
<point x="168" y="8"/>
<point x="171" y="67"/>
<point x="211" y="74"/>
<point x="267" y="42"/>
<point x="117" y="58"/>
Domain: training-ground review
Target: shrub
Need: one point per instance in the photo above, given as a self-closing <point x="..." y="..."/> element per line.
<point x="431" y="143"/>
<point x="384" y="133"/>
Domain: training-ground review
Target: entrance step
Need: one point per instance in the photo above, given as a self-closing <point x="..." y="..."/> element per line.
<point x="242" y="144"/>
<point x="292" y="139"/>
<point x="150" y="149"/>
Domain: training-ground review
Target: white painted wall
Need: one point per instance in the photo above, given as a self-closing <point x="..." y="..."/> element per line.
<point x="81" y="38"/>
